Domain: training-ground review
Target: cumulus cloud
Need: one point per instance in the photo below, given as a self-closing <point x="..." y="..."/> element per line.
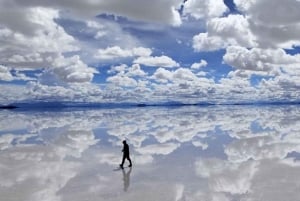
<point x="184" y="74"/>
<point x="274" y="26"/>
<point x="254" y="41"/>
<point x="282" y="87"/>
<point x="117" y="52"/>
<point x="39" y="49"/>
<point x="12" y="93"/>
<point x="176" y="83"/>
<point x="202" y="9"/>
<point x="135" y="70"/>
<point x="112" y="53"/>
<point x="5" y="74"/>
<point x="203" y="42"/>
<point x="199" y="65"/>
<point x="257" y="59"/>
<point x="76" y="92"/>
<point x="126" y="76"/>
<point x="72" y="69"/>
<point x="60" y="42"/>
<point x="234" y="29"/>
<point x="162" y="75"/>
<point x="156" y="61"/>
<point x="43" y="48"/>
<point x="225" y="31"/>
<point x="122" y="81"/>
<point x="44" y="43"/>
<point x="180" y="74"/>
<point x="155" y="11"/>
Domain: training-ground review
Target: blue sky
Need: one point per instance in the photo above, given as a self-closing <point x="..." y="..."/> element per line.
<point x="139" y="51"/>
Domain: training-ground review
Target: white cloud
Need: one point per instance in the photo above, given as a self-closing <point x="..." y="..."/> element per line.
<point x="202" y="9"/>
<point x="100" y="34"/>
<point x="38" y="49"/>
<point x="184" y="74"/>
<point x="142" y="52"/>
<point x="285" y="14"/>
<point x="234" y="29"/>
<point x="117" y="52"/>
<point x="135" y="70"/>
<point x="202" y="63"/>
<point x="122" y="81"/>
<point x="273" y="23"/>
<point x="162" y="75"/>
<point x="77" y="92"/>
<point x="112" y="53"/>
<point x="281" y="87"/>
<point x="5" y="74"/>
<point x="12" y="93"/>
<point x="257" y="59"/>
<point x="118" y="69"/>
<point x="124" y="75"/>
<point x="262" y="24"/>
<point x="180" y="75"/>
<point x="225" y="31"/>
<point x="100" y="29"/>
<point x="94" y="24"/>
<point x="203" y="42"/>
<point x="41" y="47"/>
<point x="72" y="69"/>
<point x="155" y="11"/>
<point x="156" y="61"/>
<point x="60" y="41"/>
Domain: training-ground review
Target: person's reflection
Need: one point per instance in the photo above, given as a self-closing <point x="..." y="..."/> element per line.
<point x="126" y="178"/>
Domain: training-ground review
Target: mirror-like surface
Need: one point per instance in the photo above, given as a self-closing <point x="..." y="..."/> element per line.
<point x="223" y="153"/>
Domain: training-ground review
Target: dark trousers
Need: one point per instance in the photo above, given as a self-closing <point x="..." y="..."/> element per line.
<point x="126" y="157"/>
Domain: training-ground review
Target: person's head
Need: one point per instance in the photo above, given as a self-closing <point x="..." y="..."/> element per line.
<point x="124" y="141"/>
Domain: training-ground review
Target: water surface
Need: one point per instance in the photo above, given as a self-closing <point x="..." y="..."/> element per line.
<point x="179" y="153"/>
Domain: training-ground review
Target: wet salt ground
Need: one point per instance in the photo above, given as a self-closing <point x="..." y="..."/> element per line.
<point x="179" y="153"/>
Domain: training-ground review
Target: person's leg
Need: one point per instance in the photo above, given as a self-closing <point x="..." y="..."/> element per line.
<point x="128" y="158"/>
<point x="123" y="160"/>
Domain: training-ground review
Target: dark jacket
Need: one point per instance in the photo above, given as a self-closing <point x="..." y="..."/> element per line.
<point x="126" y="150"/>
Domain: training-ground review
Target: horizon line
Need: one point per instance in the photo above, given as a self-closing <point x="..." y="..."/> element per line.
<point x="53" y="104"/>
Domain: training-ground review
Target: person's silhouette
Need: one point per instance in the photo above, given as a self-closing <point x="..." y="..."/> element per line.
<point x="126" y="178"/>
<point x="125" y="151"/>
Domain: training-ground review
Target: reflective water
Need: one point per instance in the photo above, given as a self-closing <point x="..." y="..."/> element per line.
<point x="179" y="153"/>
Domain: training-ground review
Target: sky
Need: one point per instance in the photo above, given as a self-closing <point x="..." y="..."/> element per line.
<point x="140" y="51"/>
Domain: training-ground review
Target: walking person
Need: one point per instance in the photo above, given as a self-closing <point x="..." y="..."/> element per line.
<point x="125" y="151"/>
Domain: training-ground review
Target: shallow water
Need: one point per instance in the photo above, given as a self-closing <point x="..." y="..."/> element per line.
<point x="179" y="153"/>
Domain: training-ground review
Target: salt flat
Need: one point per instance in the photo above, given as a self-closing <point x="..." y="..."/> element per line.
<point x="178" y="153"/>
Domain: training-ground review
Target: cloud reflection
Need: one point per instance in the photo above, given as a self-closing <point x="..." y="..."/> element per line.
<point x="189" y="153"/>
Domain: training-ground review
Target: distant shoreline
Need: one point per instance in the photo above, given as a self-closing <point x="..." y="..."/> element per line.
<point x="8" y="107"/>
<point x="62" y="105"/>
